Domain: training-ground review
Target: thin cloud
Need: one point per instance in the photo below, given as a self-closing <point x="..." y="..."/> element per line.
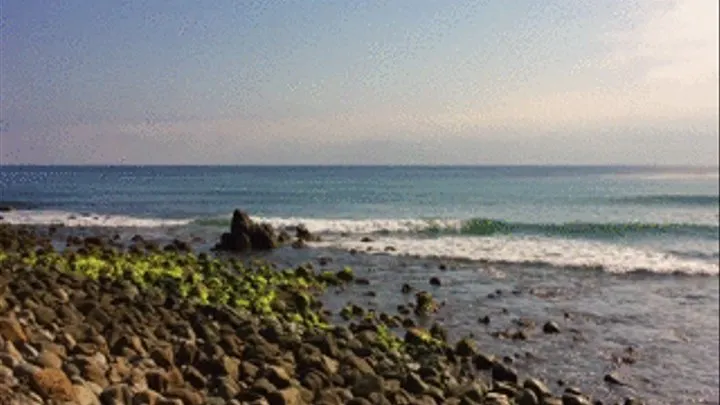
<point x="674" y="41"/>
<point x="661" y="65"/>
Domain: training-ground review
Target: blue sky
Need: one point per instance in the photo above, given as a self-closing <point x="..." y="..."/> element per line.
<point x="359" y="82"/>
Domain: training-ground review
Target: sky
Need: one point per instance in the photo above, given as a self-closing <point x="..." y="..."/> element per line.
<point x="359" y="82"/>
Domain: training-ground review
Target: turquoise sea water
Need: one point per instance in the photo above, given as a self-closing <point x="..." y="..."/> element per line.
<point x="630" y="253"/>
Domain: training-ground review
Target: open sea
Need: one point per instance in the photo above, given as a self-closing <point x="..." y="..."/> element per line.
<point x="619" y="257"/>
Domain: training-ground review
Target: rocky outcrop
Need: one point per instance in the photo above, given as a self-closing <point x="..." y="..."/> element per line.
<point x="246" y="235"/>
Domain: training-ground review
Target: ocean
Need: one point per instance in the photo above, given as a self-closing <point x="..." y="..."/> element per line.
<point x="629" y="253"/>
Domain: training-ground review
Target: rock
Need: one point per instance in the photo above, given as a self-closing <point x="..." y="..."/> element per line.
<point x="528" y="397"/>
<point x="314" y="381"/>
<point x="551" y="327"/>
<point x="10" y="360"/>
<point x="55" y="348"/>
<point x="287" y="396"/>
<point x="507" y="389"/>
<point x="223" y="365"/>
<point x="278" y="377"/>
<point x="92" y="370"/>
<point x="612" y="379"/>
<point x="414" y="384"/>
<point x="194" y="377"/>
<point x="326" y="343"/>
<point x="52" y="384"/>
<point x="146" y="397"/>
<point x="262" y="387"/>
<point x="187" y="395"/>
<point x="119" y="370"/>
<point x="11" y="330"/>
<point x="536" y="386"/>
<point x="366" y="385"/>
<point x="483" y="361"/>
<point x="494" y="398"/>
<point x="186" y="353"/>
<point x="485" y="320"/>
<point x="416" y="336"/>
<point x="157" y="380"/>
<point x="215" y="401"/>
<point x="406" y="289"/>
<point x="248" y="371"/>
<point x="49" y="359"/>
<point x="118" y="394"/>
<point x="503" y="373"/>
<point x="25" y="370"/>
<point x="128" y="341"/>
<point x="573" y="391"/>
<point x="471" y="392"/>
<point x="359" y="401"/>
<point x="163" y="356"/>
<point x="28" y="351"/>
<point x="424" y="303"/>
<point x="572" y="399"/>
<point x="246" y="235"/>
<point x="367" y="239"/>
<point x="44" y="315"/>
<point x="85" y="396"/>
<point x="435" y="281"/>
<point x="226" y="388"/>
<point x="169" y="401"/>
<point x="465" y="347"/>
<point x="356" y="363"/>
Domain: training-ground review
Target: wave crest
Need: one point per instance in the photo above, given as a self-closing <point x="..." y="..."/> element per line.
<point x="488" y="227"/>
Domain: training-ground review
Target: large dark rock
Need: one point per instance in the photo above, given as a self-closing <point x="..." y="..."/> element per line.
<point x="246" y="235"/>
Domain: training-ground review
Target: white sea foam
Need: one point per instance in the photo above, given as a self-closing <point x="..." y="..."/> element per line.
<point x="537" y="250"/>
<point x="73" y="219"/>
<point x="363" y="226"/>
<point x="401" y="234"/>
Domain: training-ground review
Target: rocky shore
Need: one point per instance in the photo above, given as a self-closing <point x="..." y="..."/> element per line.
<point x="106" y="321"/>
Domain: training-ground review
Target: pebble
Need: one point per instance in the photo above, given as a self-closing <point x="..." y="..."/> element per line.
<point x="536" y="386"/>
<point x="49" y="359"/>
<point x="85" y="396"/>
<point x="11" y="330"/>
<point x="8" y="360"/>
<point x="551" y="327"/>
<point x="612" y="379"/>
<point x="572" y="399"/>
<point x="52" y="385"/>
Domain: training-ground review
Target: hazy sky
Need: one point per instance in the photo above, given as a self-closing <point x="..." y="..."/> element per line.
<point x="359" y="81"/>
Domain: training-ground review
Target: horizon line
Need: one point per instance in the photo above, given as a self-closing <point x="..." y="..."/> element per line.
<point x="355" y="165"/>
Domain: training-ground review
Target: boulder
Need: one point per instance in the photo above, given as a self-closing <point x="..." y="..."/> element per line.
<point x="246" y="235"/>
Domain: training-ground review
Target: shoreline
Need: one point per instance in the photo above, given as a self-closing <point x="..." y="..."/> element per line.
<point x="457" y="372"/>
<point x="377" y="245"/>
